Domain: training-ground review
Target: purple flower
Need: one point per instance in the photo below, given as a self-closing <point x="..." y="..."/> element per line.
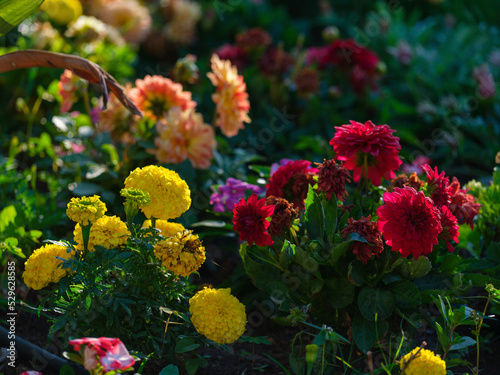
<point x="416" y="165"/>
<point x="484" y="78"/>
<point x="229" y="194"/>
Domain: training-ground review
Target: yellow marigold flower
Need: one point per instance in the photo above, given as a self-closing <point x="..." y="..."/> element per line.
<point x="42" y="267"/>
<point x="181" y="254"/>
<point x="218" y="315"/>
<point x="425" y="363"/>
<point x="231" y="97"/>
<point x="167" y="228"/>
<point x="108" y="232"/>
<point x="155" y="95"/>
<point x="183" y="135"/>
<point x="85" y="210"/>
<point x="170" y="195"/>
<point x="62" y="11"/>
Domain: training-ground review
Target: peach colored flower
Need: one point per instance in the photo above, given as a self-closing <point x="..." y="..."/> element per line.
<point x="182" y="26"/>
<point x="116" y="120"/>
<point x="129" y="17"/>
<point x="231" y="97"/>
<point x="155" y="95"/>
<point x="183" y="135"/>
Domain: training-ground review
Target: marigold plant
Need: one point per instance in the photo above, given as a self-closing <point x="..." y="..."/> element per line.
<point x="218" y="315"/>
<point x="108" y="232"/>
<point x="170" y="195"/>
<point x="166" y="228"/>
<point x="43" y="266"/>
<point x="423" y="363"/>
<point x="86" y="210"/>
<point x="181" y="254"/>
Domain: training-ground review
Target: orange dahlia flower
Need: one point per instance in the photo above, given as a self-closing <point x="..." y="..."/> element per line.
<point x="183" y="135"/>
<point x="155" y="95"/>
<point x="231" y="97"/>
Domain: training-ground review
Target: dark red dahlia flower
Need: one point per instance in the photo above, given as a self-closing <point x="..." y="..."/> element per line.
<point x="464" y="206"/>
<point x="249" y="219"/>
<point x="332" y="178"/>
<point x="255" y="39"/>
<point x="368" y="150"/>
<point x="346" y="53"/>
<point x="292" y="181"/>
<point x="275" y="61"/>
<point x="235" y="54"/>
<point x="438" y="186"/>
<point x="409" y="222"/>
<point x="369" y="231"/>
<point x="283" y="216"/>
<point x="450" y="227"/>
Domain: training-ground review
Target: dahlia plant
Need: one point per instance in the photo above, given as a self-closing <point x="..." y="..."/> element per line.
<point x="372" y="254"/>
<point x="130" y="279"/>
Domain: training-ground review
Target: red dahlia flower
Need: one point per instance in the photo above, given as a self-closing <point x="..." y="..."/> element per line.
<point x="249" y="219"/>
<point x="369" y="231"/>
<point x="368" y="150"/>
<point x="464" y="206"/>
<point x="450" y="228"/>
<point x="292" y="181"/>
<point x="409" y="222"/>
<point x="438" y="186"/>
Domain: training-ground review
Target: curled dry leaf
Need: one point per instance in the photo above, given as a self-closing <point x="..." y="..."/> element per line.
<point x="80" y="66"/>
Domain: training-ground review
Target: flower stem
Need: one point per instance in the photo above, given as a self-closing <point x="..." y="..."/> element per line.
<point x="86" y="236"/>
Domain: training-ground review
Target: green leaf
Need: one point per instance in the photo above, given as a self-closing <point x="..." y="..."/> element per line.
<point x="442" y="336"/>
<point x="7" y="216"/>
<point x="376" y="301"/>
<point x="186" y="344"/>
<point x="85" y="188"/>
<point x="406" y="295"/>
<point x="464" y="342"/>
<point x="415" y="269"/>
<point x="340" y="292"/>
<point x="192" y="365"/>
<point x="450" y="262"/>
<point x="212" y="224"/>
<point x="330" y="209"/>
<point x="66" y="370"/>
<point x="314" y="216"/>
<point x="13" y="12"/>
<point x="365" y="332"/>
<point x="493" y="252"/>
<point x="356" y="273"/>
<point x="170" y="370"/>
